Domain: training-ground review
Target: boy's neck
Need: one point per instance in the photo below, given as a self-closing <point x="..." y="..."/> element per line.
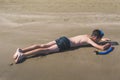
<point x="92" y="38"/>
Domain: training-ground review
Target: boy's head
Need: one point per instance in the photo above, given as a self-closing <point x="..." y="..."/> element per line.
<point x="97" y="35"/>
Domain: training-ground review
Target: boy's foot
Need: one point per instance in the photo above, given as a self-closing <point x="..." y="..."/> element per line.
<point x="19" y="58"/>
<point x="16" y="53"/>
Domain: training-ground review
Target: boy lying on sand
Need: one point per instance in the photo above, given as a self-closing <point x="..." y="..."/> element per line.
<point x="62" y="44"/>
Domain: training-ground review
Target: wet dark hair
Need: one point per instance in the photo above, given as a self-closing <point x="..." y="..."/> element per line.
<point x="97" y="33"/>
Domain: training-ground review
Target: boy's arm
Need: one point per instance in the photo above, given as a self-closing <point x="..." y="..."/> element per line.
<point x="105" y="39"/>
<point x="100" y="47"/>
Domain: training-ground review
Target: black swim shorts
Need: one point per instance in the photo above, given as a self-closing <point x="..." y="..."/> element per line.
<point x="63" y="43"/>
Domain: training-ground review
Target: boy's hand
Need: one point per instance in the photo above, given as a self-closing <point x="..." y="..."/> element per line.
<point x="105" y="39"/>
<point x="106" y="46"/>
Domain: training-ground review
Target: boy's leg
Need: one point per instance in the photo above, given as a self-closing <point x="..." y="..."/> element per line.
<point x="51" y="49"/>
<point x="37" y="46"/>
<point x="33" y="47"/>
<point x="48" y="44"/>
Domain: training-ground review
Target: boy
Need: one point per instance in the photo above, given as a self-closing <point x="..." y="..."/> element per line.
<point x="62" y="44"/>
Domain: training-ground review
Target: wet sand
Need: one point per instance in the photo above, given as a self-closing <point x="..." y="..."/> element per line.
<point x="27" y="22"/>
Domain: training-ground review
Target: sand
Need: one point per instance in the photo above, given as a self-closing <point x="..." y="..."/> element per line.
<point x="27" y="22"/>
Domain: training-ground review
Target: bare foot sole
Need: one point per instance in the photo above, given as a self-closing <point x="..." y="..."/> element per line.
<point x="19" y="58"/>
<point x="16" y="54"/>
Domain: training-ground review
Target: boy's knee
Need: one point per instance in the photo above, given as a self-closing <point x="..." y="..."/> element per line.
<point x="36" y="46"/>
<point x="42" y="45"/>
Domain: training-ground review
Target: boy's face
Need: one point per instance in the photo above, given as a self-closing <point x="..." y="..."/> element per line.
<point x="95" y="39"/>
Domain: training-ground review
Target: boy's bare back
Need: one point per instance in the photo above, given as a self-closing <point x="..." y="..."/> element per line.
<point x="79" y="40"/>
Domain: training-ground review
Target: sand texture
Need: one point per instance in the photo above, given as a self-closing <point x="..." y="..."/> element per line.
<point x="27" y="22"/>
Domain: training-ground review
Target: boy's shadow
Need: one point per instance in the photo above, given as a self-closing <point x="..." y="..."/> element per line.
<point x="113" y="43"/>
